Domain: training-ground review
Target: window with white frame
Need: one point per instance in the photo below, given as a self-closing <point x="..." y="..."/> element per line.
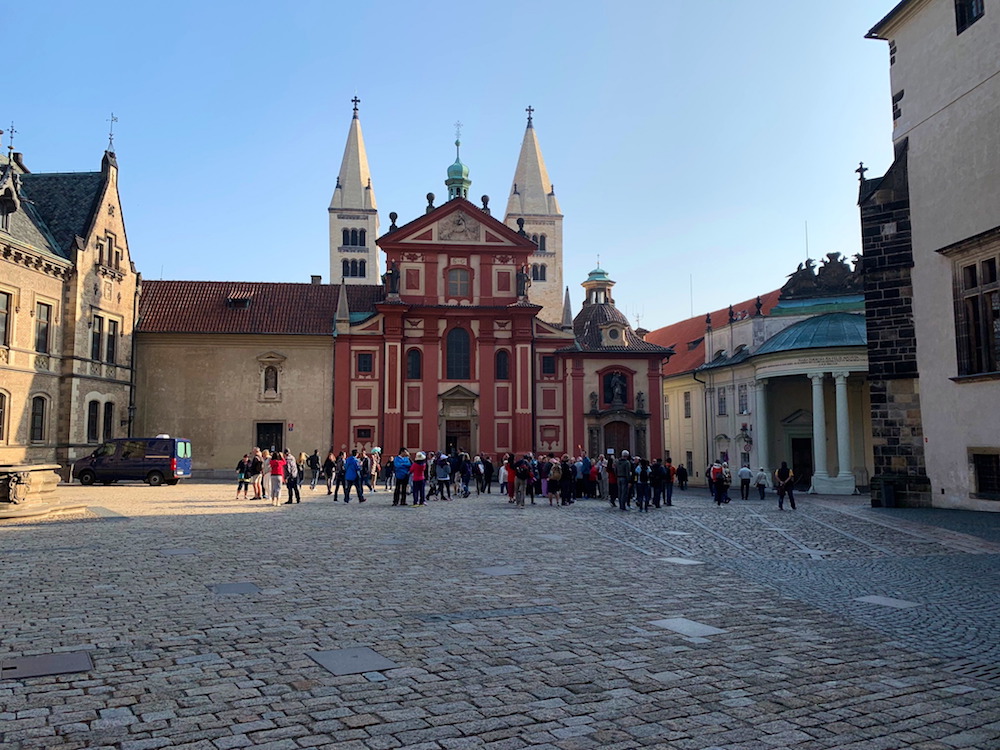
<point x="977" y="313"/>
<point x="744" y="398"/>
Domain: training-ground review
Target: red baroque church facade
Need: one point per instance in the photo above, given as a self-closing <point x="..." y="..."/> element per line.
<point x="462" y="343"/>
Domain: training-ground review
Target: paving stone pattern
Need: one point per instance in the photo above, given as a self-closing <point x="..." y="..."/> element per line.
<point x="779" y="639"/>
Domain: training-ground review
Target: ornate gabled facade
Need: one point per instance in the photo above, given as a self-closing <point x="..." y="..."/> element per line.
<point x="451" y="351"/>
<point x="67" y="304"/>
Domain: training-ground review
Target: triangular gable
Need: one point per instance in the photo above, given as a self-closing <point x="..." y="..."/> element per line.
<point x="459" y="392"/>
<point x="457" y="222"/>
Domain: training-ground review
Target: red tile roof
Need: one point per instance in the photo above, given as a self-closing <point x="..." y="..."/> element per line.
<point x="687" y="338"/>
<point x="258" y="307"/>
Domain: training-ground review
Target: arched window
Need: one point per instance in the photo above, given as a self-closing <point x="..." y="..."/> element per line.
<point x="3" y="417"/>
<point x="414" y="365"/>
<point x="347" y="237"/>
<point x="541" y="243"/>
<point x="271" y="378"/>
<point x="458" y="352"/>
<point x="362" y="265"/>
<point x="361" y="238"/>
<point x="93" y="411"/>
<point x="534" y="238"/>
<point x="354" y="268"/>
<point x="541" y="272"/>
<point x="354" y="237"/>
<point x="534" y="272"/>
<point x="109" y="421"/>
<point x="458" y="282"/>
<point x="38" y="409"/>
<point x="347" y="266"/>
<point x="503" y="365"/>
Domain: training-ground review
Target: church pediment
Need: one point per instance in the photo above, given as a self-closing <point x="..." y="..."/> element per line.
<point x="459" y="393"/>
<point x="457" y="222"/>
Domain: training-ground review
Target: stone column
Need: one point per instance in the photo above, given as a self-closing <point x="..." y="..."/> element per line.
<point x="844" y="472"/>
<point x="761" y="436"/>
<point x="819" y="432"/>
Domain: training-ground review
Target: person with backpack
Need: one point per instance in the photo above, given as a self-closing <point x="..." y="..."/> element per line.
<point x="313" y="462"/>
<point x="657" y="477"/>
<point x="760" y="481"/>
<point x="522" y="478"/>
<point x="623" y="471"/>
<point x="668" y="481"/>
<point x="553" y="479"/>
<point x="442" y="469"/>
<point x="642" y="485"/>
<point x="784" y="481"/>
<point x="401" y="469"/>
<point x="568" y="481"/>
<point x="487" y="474"/>
<point x="243" y="476"/>
<point x="418" y="474"/>
<point x="292" y="478"/>
<point x="682" y="477"/>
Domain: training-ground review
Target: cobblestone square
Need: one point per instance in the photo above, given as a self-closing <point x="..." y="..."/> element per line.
<point x="552" y="627"/>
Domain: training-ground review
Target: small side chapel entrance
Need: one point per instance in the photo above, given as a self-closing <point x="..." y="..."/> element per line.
<point x="618" y="436"/>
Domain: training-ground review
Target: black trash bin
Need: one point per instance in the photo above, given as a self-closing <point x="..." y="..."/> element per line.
<point x="888" y="493"/>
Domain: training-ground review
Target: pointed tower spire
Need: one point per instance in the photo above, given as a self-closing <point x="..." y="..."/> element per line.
<point x="567" y="320"/>
<point x="533" y="200"/>
<point x="458" y="182"/>
<point x="343" y="309"/>
<point x="354" y="224"/>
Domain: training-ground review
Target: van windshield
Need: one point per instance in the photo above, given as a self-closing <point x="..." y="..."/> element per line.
<point x="107" y="449"/>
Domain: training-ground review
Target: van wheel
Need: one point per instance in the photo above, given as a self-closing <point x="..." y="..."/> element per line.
<point x="87" y="477"/>
<point x="154" y="478"/>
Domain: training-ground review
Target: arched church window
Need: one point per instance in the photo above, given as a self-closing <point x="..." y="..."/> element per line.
<point x="354" y="237"/>
<point x="534" y="272"/>
<point x="534" y="238"/>
<point x="503" y="365"/>
<point x="347" y="238"/>
<point x="362" y="268"/>
<point x="361" y="237"/>
<point x="354" y="268"/>
<point x="458" y="352"/>
<point x="414" y="365"/>
<point x="541" y="243"/>
<point x="347" y="267"/>
<point x="541" y="272"/>
<point x="271" y="379"/>
<point x="458" y="282"/>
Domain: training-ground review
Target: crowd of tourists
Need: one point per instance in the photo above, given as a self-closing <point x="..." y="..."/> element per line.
<point x="625" y="482"/>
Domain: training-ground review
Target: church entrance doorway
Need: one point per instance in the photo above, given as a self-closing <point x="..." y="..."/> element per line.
<point x="458" y="436"/>
<point x="617" y="436"/>
<point x="802" y="462"/>
<point x="269" y="435"/>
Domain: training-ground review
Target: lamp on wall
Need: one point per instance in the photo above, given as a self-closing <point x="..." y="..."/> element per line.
<point x="745" y="436"/>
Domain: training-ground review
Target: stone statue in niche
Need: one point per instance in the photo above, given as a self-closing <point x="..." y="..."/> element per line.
<point x="391" y="278"/>
<point x="615" y="388"/>
<point x="640" y="401"/>
<point x="523" y="281"/>
<point x="593" y="401"/>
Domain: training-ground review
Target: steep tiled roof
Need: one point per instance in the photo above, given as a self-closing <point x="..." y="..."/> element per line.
<point x="65" y="201"/>
<point x="586" y="328"/>
<point x="688" y="336"/>
<point x="205" y="307"/>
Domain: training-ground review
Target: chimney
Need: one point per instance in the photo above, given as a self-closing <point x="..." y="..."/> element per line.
<point x="19" y="161"/>
<point x="316" y="280"/>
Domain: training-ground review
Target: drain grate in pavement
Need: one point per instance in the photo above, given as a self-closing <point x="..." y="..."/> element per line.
<point x="887" y="601"/>
<point x="235" y="588"/>
<point x="45" y="665"/>
<point x="352" y="660"/>
<point x="179" y="551"/>
<point x="972" y="668"/>
<point x="500" y="570"/>
<point x="488" y="614"/>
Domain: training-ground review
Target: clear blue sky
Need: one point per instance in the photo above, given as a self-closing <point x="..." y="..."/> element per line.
<point x="689" y="143"/>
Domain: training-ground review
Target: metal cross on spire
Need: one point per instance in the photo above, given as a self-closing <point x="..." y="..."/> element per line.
<point x="529" y="109"/>
<point x="111" y="132"/>
<point x="10" y="141"/>
<point x="861" y="171"/>
<point x="355" y="101"/>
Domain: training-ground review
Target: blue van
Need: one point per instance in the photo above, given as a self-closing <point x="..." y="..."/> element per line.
<point x="156" y="460"/>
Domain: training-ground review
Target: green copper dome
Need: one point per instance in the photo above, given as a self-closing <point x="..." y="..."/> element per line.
<point x="458" y="182"/>
<point x="598" y="274"/>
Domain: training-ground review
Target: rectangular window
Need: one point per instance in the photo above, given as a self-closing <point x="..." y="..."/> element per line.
<point x="111" y="349"/>
<point x="987" y="473"/>
<point x="4" y="319"/>
<point x="548" y="364"/>
<point x="93" y="411"/>
<point x="666" y="407"/>
<point x="96" y="334"/>
<point x="744" y="399"/>
<point x="721" y="401"/>
<point x="43" y="320"/>
<point x="38" y="405"/>
<point x="366" y="362"/>
<point x="109" y="421"/>
<point x="3" y="417"/>
<point x="363" y="433"/>
<point x="689" y="462"/>
<point x="687" y="404"/>
<point x="967" y="12"/>
<point x="977" y="313"/>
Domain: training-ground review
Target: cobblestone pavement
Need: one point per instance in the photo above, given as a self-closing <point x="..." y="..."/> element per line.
<point x="833" y="626"/>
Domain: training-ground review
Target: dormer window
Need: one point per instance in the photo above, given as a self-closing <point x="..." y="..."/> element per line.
<point x="238" y="303"/>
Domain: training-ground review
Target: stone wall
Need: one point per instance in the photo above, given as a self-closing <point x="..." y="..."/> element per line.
<point x="897" y="428"/>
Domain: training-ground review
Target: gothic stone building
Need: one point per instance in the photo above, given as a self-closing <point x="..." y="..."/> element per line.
<point x="68" y="294"/>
